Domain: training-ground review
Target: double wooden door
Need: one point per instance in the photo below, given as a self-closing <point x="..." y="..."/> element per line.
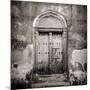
<point x="49" y="52"/>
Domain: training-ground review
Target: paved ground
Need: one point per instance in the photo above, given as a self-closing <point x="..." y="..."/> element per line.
<point x="51" y="80"/>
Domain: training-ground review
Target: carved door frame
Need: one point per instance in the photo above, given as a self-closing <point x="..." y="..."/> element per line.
<point x="63" y="29"/>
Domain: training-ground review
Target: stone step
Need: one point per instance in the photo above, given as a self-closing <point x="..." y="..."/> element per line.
<point x="50" y="81"/>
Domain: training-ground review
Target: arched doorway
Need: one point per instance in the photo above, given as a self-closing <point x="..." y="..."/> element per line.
<point x="50" y="43"/>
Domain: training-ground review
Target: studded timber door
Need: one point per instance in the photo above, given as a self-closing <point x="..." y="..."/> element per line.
<point x="49" y="53"/>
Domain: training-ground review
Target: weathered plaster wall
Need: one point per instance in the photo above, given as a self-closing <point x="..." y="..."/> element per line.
<point x="23" y="15"/>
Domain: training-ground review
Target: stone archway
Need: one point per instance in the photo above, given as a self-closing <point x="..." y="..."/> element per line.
<point x="50" y="43"/>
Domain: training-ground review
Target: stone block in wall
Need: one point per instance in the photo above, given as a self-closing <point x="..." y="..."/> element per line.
<point x="79" y="56"/>
<point x="78" y="67"/>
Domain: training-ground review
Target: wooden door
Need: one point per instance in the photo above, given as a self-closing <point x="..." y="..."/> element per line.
<point x="49" y="53"/>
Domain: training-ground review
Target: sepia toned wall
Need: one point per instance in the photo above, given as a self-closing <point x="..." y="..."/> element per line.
<point x="22" y="17"/>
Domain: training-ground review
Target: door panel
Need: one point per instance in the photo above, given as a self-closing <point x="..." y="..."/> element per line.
<point x="43" y="47"/>
<point x="42" y="56"/>
<point x="56" y="63"/>
<point x="57" y="47"/>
